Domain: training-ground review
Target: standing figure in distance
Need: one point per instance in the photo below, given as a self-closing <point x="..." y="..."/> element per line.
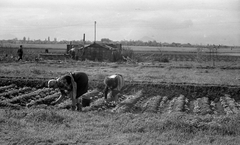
<point x="73" y="85"/>
<point x="20" y="53"/>
<point x="113" y="83"/>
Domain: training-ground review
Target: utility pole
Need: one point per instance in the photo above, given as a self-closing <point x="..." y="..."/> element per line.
<point x="83" y="41"/>
<point x="83" y="52"/>
<point x="95" y="23"/>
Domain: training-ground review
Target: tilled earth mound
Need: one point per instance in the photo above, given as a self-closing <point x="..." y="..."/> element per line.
<point x="136" y="97"/>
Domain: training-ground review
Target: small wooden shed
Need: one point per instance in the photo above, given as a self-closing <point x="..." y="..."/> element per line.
<point x="99" y="51"/>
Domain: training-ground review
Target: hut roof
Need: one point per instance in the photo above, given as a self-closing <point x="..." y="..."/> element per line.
<point x="99" y="45"/>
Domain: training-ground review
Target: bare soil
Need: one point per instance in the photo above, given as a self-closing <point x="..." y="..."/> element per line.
<point x="154" y="97"/>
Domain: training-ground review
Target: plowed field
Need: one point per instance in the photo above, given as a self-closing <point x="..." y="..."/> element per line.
<point x="137" y="97"/>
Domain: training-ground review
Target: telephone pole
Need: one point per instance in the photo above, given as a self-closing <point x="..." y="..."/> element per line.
<point x="95" y="23"/>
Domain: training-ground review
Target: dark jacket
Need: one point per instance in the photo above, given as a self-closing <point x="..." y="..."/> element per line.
<point x="81" y="80"/>
<point x="20" y="51"/>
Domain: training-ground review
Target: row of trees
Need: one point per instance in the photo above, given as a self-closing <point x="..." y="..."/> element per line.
<point x="107" y="40"/>
<point x="160" y="44"/>
<point x="38" y="41"/>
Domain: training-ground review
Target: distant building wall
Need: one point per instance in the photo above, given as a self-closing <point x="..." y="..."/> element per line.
<point x="97" y="52"/>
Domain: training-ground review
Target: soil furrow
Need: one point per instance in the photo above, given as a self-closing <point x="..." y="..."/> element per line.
<point x="152" y="104"/>
<point x="148" y="97"/>
<point x="3" y="88"/>
<point x="24" y="98"/>
<point x="10" y="94"/>
<point x="163" y="104"/>
<point x="179" y="104"/>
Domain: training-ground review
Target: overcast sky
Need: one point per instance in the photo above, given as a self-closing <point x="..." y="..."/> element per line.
<point x="184" y="21"/>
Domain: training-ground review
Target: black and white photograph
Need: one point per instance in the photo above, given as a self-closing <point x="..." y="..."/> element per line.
<point x="125" y="72"/>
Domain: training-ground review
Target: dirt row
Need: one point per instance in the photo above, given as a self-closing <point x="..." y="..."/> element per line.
<point x="135" y="98"/>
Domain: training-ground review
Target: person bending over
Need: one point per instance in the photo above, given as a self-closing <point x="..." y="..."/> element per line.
<point x="113" y="83"/>
<point x="73" y="85"/>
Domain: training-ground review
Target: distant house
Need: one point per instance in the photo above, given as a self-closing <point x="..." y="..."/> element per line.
<point x="100" y="51"/>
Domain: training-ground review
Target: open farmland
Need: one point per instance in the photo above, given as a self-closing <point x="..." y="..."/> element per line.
<point x="179" y="102"/>
<point x="187" y="56"/>
<point x="32" y="51"/>
<point x="141" y="53"/>
<point x="42" y="46"/>
<point x="148" y="113"/>
<point x="220" y="51"/>
<point x="148" y="97"/>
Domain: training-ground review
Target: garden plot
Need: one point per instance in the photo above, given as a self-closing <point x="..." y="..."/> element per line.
<point x="136" y="98"/>
<point x="19" y="97"/>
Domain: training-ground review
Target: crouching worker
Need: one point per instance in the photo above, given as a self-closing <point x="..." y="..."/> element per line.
<point x="73" y="85"/>
<point x="114" y="84"/>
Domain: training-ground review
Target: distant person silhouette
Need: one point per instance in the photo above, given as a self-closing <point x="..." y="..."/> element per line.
<point x="20" y="53"/>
